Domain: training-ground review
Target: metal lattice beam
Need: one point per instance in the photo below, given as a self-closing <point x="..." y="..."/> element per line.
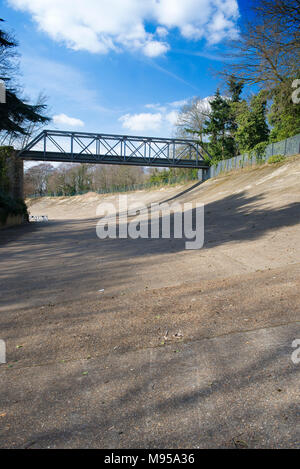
<point x="80" y="147"/>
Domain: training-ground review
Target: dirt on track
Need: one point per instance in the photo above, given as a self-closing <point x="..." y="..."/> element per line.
<point x="134" y="313"/>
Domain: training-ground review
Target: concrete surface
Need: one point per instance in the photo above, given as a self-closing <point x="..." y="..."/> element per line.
<point x="182" y="349"/>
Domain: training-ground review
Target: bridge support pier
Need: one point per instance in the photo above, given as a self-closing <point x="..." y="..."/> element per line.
<point x="15" y="173"/>
<point x="204" y="174"/>
<point x="12" y="185"/>
<point x="200" y="175"/>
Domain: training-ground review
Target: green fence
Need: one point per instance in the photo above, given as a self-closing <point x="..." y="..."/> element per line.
<point x="117" y="189"/>
<point x="288" y="147"/>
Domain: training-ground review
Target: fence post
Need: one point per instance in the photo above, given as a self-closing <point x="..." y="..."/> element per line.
<point x="285" y="142"/>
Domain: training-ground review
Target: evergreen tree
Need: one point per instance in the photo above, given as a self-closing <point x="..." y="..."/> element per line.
<point x="5" y="40"/>
<point x="252" y="125"/>
<point x="218" y="126"/>
<point x="235" y="88"/>
<point x="16" y="113"/>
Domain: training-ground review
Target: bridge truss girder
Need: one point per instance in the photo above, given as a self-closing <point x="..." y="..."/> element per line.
<point x="94" y="148"/>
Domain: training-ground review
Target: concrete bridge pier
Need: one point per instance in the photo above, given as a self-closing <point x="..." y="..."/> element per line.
<point x="15" y="174"/>
<point x="11" y="185"/>
<point x="203" y="174"/>
<point x="200" y="175"/>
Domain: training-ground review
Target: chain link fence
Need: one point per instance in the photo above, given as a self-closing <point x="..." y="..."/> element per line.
<point x="126" y="188"/>
<point x="288" y="147"/>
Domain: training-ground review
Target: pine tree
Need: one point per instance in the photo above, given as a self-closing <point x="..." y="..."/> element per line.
<point x="5" y="41"/>
<point x="16" y="113"/>
<point x="235" y="88"/>
<point x="252" y="125"/>
<point x="221" y="143"/>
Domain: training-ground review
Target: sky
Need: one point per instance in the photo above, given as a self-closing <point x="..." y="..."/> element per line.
<point x="121" y="66"/>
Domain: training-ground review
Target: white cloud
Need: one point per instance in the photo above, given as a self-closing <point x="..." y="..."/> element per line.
<point x="157" y="107"/>
<point x="142" y="122"/>
<point x="161" y="31"/>
<point x="106" y="25"/>
<point x="178" y="104"/>
<point x="162" y="118"/>
<point x="63" y="119"/>
<point x="155" y="48"/>
<point x="172" y="117"/>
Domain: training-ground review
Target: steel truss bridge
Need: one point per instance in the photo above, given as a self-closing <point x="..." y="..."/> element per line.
<point x="94" y="148"/>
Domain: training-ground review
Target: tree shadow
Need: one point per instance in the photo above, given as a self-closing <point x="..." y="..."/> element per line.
<point x="207" y="395"/>
<point x="65" y="253"/>
<point x="235" y="218"/>
<point x="186" y="191"/>
<point x="192" y="402"/>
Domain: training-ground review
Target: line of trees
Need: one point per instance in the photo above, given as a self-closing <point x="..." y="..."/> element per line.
<point x="72" y="179"/>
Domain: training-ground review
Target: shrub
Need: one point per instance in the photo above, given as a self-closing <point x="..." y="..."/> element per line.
<point x="260" y="152"/>
<point x="10" y="206"/>
<point x="260" y="148"/>
<point x="276" y="159"/>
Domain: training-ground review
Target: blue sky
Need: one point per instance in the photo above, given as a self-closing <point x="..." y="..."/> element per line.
<point x="120" y="66"/>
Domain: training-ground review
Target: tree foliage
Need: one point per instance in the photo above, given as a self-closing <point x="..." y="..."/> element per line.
<point x="16" y="114"/>
<point x="217" y="127"/>
<point x="284" y="115"/>
<point x="221" y="124"/>
<point x="266" y="58"/>
<point x="70" y="179"/>
<point x="252" y="126"/>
